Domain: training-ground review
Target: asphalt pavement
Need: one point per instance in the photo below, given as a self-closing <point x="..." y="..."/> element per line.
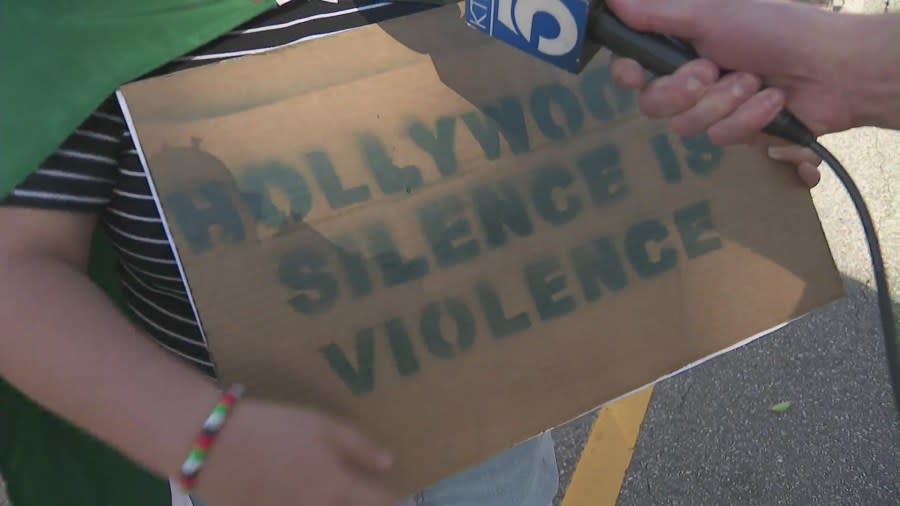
<point x="709" y="437"/>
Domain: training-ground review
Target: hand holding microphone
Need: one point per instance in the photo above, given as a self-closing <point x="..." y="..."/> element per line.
<point x="833" y="71"/>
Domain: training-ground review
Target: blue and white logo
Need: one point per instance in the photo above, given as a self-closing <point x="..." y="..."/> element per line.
<point x="552" y="30"/>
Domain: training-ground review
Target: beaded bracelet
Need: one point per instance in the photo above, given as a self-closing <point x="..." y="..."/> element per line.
<point x="211" y="428"/>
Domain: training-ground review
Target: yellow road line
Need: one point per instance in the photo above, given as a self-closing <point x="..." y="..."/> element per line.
<point x="598" y="477"/>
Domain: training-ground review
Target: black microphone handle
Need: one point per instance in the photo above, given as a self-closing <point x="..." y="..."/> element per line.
<point x="663" y="55"/>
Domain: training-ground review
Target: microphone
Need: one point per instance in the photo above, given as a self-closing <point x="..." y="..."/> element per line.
<point x="568" y="33"/>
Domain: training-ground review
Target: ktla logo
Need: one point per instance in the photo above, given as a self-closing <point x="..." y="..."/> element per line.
<point x="518" y="16"/>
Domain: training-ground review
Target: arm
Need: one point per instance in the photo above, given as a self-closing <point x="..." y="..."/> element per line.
<point x="66" y="346"/>
<point x="106" y="376"/>
<point x="870" y="66"/>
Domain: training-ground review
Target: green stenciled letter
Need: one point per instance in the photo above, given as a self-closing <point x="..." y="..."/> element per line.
<point x="545" y="283"/>
<point x="637" y="239"/>
<point x="598" y="262"/>
<point x="566" y="100"/>
<point x="693" y="222"/>
<point x="260" y="180"/>
<point x="360" y="379"/>
<point x="498" y="212"/>
<point x="595" y="83"/>
<point x="331" y="185"/>
<point x="401" y="347"/>
<point x="544" y="181"/>
<point x="395" y="269"/>
<point x="390" y="178"/>
<point x="434" y="337"/>
<point x="501" y="326"/>
<point x="507" y="117"/>
<point x="439" y="143"/>
<point x="351" y="258"/>
<point x="602" y="170"/>
<point x="666" y="158"/>
<point x="304" y="271"/>
<point x="443" y="225"/>
<point x="195" y="222"/>
<point x="703" y="156"/>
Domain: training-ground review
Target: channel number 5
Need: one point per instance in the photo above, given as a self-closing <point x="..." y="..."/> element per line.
<point x="518" y="16"/>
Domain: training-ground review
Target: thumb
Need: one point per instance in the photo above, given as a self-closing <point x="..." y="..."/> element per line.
<point x="678" y="18"/>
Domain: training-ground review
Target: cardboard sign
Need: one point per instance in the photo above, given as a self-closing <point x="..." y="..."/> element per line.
<point x="457" y="246"/>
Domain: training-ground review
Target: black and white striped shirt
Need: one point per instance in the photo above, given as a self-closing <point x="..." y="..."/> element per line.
<point x="97" y="170"/>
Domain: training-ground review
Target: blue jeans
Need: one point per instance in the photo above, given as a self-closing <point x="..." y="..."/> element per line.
<point x="525" y="475"/>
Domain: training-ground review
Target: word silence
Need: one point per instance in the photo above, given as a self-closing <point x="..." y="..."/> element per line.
<point x="459" y="228"/>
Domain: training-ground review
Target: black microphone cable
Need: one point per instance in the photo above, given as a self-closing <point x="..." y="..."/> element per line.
<point x="662" y="55"/>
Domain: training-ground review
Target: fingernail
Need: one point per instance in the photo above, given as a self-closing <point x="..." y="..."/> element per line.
<point x="776" y="154"/>
<point x="709" y="74"/>
<point x="774" y="98"/>
<point x="693" y="84"/>
<point x="636" y="74"/>
<point x="737" y="89"/>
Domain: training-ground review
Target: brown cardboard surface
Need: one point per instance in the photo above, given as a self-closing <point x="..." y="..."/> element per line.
<point x="456" y="303"/>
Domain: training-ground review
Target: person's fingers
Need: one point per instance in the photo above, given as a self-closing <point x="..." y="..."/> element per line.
<point x="626" y="73"/>
<point x="751" y="117"/>
<point x="720" y="100"/>
<point x="359" y="450"/>
<point x="804" y="159"/>
<point x="764" y="140"/>
<point x="670" y="95"/>
<point x="364" y="491"/>
<point x="679" y="19"/>
<point x="809" y="174"/>
<point x="794" y="154"/>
